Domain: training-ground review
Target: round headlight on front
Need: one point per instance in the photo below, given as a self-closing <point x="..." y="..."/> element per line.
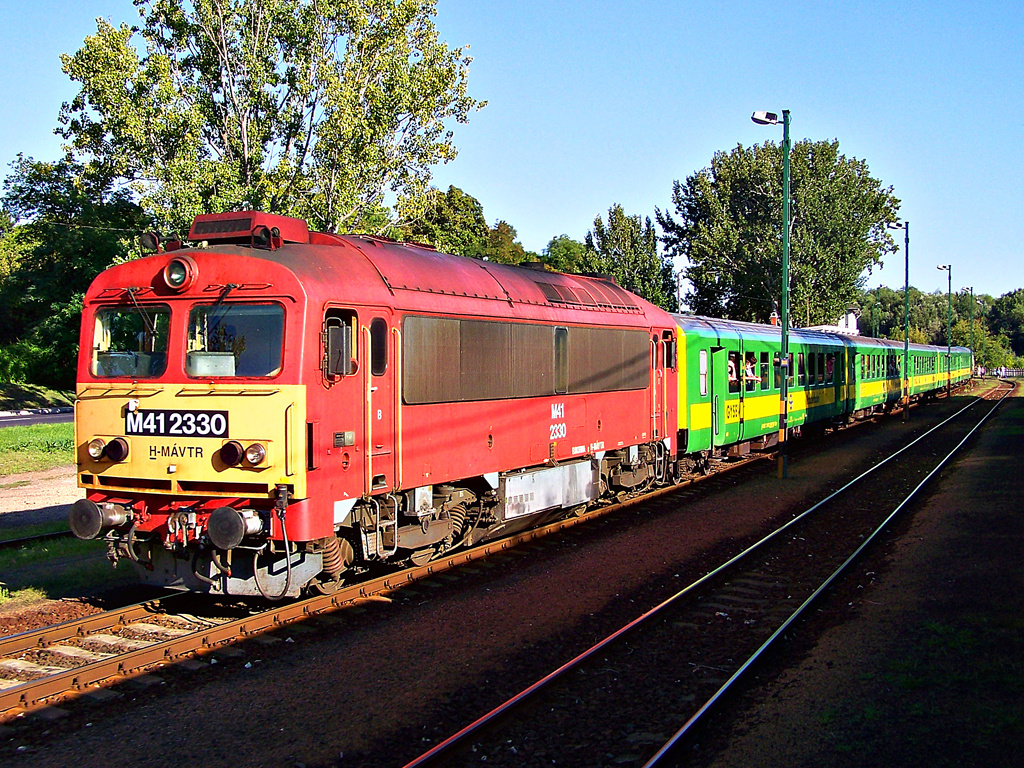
<point x="96" y="447"/>
<point x="180" y="273"/>
<point x="232" y="453"/>
<point x="255" y="454"/>
<point x="117" y="449"/>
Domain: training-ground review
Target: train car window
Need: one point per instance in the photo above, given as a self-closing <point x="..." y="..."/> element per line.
<point x="801" y="371"/>
<point x="789" y="376"/>
<point x="821" y="367"/>
<point x="750" y="377"/>
<point x="702" y="372"/>
<point x="130" y="341"/>
<point x="811" y="369"/>
<point x="235" y="340"/>
<point x="764" y="371"/>
<point x="378" y="346"/>
<point x="830" y="368"/>
<point x="734" y="371"/>
<point x="561" y="360"/>
<point x="777" y="371"/>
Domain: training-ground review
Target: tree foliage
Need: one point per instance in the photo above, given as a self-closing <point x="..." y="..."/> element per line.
<point x="453" y="222"/>
<point x="71" y="228"/>
<point x="564" y="254"/>
<point x="322" y="109"/>
<point x="728" y="228"/>
<point x="627" y="249"/>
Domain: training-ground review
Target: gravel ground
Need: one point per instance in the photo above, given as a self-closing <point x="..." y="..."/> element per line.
<point x="38" y="497"/>
<point x="928" y="670"/>
<point x="377" y="685"/>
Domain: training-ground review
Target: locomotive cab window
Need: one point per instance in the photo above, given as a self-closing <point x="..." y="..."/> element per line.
<point x="130" y="341"/>
<point x="238" y="340"/>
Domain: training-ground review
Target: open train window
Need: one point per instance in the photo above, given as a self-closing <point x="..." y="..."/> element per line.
<point x="735" y="371"/>
<point x="339" y="343"/>
<point x="764" y="371"/>
<point x="830" y="368"/>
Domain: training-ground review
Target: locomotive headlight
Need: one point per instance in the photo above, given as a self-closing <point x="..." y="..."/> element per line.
<point x="96" y="447"/>
<point x="255" y="454"/>
<point x="180" y="273"/>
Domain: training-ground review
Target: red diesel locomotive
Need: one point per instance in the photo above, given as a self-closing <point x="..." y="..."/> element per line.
<point x="270" y="409"/>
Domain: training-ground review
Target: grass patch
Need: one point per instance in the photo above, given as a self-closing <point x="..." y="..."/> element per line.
<point x="20" y="598"/>
<point x="8" y="533"/>
<point x="36" y="447"/>
<point x="66" y="568"/>
<point x="14" y="397"/>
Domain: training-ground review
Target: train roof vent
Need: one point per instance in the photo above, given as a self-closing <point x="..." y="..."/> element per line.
<point x="238" y="227"/>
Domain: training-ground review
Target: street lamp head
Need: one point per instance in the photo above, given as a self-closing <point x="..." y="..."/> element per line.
<point x="895" y="225"/>
<point x="944" y="267"/>
<point x="765" y="118"/>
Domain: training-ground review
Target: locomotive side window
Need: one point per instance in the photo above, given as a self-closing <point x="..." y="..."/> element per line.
<point x="378" y="346"/>
<point x="131" y="341"/>
<point x="446" y="360"/>
<point x="235" y="340"/>
<point x="561" y="360"/>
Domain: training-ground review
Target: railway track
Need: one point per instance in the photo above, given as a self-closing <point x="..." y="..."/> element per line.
<point x="54" y="664"/>
<point x="635" y="697"/>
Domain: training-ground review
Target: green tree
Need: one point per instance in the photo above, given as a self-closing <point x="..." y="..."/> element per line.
<point x="728" y="229"/>
<point x="324" y="109"/>
<point x="564" y="254"/>
<point x="71" y="227"/>
<point x="452" y="222"/>
<point x="1007" y="318"/>
<point x="627" y="249"/>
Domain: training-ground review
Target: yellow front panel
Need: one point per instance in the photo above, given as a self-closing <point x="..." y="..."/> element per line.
<point x="175" y="433"/>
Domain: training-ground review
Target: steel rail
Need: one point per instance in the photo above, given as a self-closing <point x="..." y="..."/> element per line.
<point x="679" y="735"/>
<point x="459" y="738"/>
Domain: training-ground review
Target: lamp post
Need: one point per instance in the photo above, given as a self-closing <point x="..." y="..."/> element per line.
<point x="971" y="289"/>
<point x="905" y="226"/>
<point x="948" y="269"/>
<point x="771" y="118"/>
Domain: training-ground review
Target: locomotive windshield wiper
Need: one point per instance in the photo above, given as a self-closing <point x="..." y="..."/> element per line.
<point x="150" y="325"/>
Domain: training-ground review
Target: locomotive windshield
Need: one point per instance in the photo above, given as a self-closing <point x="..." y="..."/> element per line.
<point x="131" y="341"/>
<point x="242" y="340"/>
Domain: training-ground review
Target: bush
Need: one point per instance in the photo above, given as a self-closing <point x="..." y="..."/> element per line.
<point x="21" y="362"/>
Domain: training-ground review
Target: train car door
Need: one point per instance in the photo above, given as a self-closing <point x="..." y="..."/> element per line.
<point x="380" y="392"/>
<point x="726" y="376"/>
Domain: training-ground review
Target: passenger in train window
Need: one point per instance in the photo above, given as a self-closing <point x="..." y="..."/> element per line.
<point x="734" y="380"/>
<point x="750" y="372"/>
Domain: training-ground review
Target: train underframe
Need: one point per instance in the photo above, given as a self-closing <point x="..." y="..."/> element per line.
<point x="211" y="547"/>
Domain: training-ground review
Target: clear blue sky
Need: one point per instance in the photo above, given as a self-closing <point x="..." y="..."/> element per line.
<point x="596" y="103"/>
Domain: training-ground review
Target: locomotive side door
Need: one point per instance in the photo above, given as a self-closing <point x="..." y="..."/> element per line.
<point x="379" y="390"/>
